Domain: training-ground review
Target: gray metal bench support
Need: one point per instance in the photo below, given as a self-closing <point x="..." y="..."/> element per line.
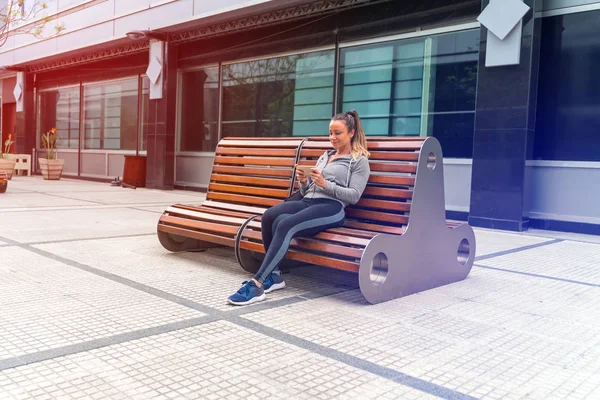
<point x="429" y="253"/>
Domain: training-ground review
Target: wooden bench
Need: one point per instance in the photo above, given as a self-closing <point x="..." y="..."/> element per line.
<point x="248" y="176"/>
<point x="3" y="181"/>
<point x="396" y="237"/>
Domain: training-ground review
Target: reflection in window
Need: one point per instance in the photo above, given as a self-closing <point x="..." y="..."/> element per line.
<point x="280" y="96"/>
<point x="110" y="115"/>
<point x="60" y="109"/>
<point x="199" y="129"/>
<point x="415" y="87"/>
<point x="568" y="101"/>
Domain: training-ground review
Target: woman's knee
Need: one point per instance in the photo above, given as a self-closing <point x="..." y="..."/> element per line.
<point x="268" y="217"/>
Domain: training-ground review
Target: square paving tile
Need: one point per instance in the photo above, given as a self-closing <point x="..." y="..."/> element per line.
<point x="207" y="278"/>
<point x="46" y="304"/>
<point x="564" y="260"/>
<point x="19" y="200"/>
<point x="487" y="349"/>
<point x="203" y="362"/>
<point x="138" y="196"/>
<point x="47" y="226"/>
<point x="489" y="242"/>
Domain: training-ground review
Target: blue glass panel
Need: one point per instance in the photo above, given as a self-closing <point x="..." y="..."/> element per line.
<point x="311" y="128"/>
<point x="371" y="91"/>
<point x="568" y="103"/>
<point x="406" y="126"/>
<point x="315" y="111"/>
<point x="369" y="108"/>
<point x="378" y="73"/>
<point x="376" y="126"/>
<point x="407" y="107"/>
<point x="314" y="96"/>
<point x="408" y="89"/>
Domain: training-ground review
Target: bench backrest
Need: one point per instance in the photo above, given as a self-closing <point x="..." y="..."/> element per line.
<point x="253" y="173"/>
<point x="386" y="202"/>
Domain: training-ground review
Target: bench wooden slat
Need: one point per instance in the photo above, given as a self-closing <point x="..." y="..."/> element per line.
<point x="395" y="145"/>
<point x="387" y="192"/>
<point x="392" y="167"/>
<point x="280" y="162"/>
<point x="249" y="171"/>
<point x="377" y="216"/>
<point x="394" y="156"/>
<point x="383" y="204"/>
<point x="349" y="231"/>
<point x="227" y="206"/>
<point x="212" y="210"/>
<point x="392" y="180"/>
<point x="204" y="216"/>
<point x="262" y="142"/>
<point x="374" y="227"/>
<point x="202" y="225"/>
<point x="284" y="183"/>
<point x="234" y="198"/>
<point x="307" y="258"/>
<point x="220" y="187"/>
<point x="225" y="241"/>
<point x="291" y="152"/>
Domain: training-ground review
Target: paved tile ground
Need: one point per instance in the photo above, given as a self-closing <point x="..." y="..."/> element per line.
<point x="92" y="307"/>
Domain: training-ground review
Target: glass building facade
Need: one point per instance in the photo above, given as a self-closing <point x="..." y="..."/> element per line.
<point x="413" y="87"/>
<point x="111" y="115"/>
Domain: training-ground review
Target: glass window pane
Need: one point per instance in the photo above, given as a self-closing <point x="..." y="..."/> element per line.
<point x="111" y="115"/>
<point x="568" y="121"/>
<point x="280" y="96"/>
<point x="423" y="86"/>
<point x="199" y="110"/>
<point x="60" y="109"/>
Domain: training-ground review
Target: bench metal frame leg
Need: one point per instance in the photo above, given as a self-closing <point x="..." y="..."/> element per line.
<point x="428" y="254"/>
<point x="246" y="258"/>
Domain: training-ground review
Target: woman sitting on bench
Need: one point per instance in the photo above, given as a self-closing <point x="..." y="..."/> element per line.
<point x="338" y="179"/>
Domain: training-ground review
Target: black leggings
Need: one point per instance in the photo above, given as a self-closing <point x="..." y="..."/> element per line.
<point x="291" y="219"/>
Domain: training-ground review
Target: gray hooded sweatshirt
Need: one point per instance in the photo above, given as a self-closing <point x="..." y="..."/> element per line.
<point x="346" y="179"/>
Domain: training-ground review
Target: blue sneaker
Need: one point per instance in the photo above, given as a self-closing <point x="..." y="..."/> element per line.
<point x="273" y="282"/>
<point x="249" y="293"/>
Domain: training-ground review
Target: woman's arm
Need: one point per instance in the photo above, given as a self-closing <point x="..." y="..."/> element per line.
<point x="304" y="186"/>
<point x="358" y="181"/>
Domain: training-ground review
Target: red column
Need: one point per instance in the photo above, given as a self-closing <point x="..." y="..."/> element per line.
<point x="25" y="134"/>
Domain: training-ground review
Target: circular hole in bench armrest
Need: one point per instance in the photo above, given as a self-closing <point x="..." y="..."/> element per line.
<point x="379" y="269"/>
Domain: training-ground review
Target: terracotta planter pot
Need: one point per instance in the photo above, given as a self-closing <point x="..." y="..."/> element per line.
<point x="51" y="169"/>
<point x="7" y="166"/>
<point x="3" y="182"/>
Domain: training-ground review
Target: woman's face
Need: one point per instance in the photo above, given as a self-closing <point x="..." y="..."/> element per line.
<point x="339" y="136"/>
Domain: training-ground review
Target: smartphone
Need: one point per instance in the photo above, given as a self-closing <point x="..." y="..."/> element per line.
<point x="307" y="169"/>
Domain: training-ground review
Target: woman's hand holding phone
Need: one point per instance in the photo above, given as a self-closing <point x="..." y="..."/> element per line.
<point x="317" y="177"/>
<point x="300" y="174"/>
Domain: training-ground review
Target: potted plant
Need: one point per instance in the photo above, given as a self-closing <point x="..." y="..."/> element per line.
<point x="7" y="165"/>
<point x="50" y="166"/>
